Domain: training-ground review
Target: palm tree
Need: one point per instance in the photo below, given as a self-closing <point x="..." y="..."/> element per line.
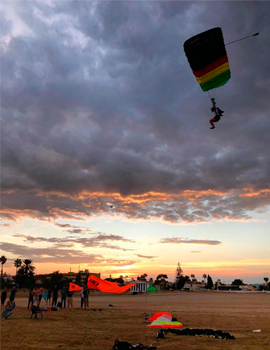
<point x="3" y="260"/>
<point x="17" y="264"/>
<point x="29" y="269"/>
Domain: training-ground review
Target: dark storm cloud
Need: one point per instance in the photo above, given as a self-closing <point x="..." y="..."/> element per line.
<point x="180" y="240"/>
<point x="56" y="255"/>
<point x="98" y="97"/>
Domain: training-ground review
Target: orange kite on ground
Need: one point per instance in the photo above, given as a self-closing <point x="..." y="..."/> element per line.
<point x="106" y="286"/>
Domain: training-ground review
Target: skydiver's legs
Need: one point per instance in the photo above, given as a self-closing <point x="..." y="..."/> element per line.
<point x="211" y="121"/>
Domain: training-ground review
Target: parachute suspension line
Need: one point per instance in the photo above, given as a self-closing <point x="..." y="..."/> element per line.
<point x="242" y="39"/>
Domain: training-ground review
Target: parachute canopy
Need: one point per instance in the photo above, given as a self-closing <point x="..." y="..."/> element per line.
<point x="74" y="287"/>
<point x="163" y="320"/>
<point x="208" y="59"/>
<point x="106" y="286"/>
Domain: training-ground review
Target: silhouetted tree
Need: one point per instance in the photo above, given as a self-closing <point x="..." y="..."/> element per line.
<point x="266" y="279"/>
<point x="17" y="264"/>
<point x="79" y="278"/>
<point x="56" y="278"/>
<point x="180" y="279"/>
<point x="161" y="280"/>
<point x="25" y="274"/>
<point x="142" y="277"/>
<point x="209" y="282"/>
<point x="238" y="282"/>
<point x="3" y="260"/>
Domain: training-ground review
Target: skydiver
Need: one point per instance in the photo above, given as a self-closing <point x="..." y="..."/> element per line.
<point x="218" y="114"/>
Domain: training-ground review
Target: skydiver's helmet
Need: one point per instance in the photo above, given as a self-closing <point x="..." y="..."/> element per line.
<point x="212" y="109"/>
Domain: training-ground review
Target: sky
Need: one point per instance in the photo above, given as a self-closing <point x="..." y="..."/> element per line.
<point x="108" y="162"/>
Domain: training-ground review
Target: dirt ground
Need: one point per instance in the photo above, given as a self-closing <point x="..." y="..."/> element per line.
<point x="236" y="313"/>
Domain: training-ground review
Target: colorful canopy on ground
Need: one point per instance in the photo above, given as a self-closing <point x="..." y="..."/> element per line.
<point x="208" y="59"/>
<point x="106" y="286"/>
<point x="163" y="319"/>
<point x="163" y="314"/>
<point x="151" y="289"/>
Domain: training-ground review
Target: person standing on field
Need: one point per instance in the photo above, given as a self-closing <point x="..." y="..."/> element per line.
<point x="3" y="296"/>
<point x="12" y="294"/>
<point x="64" y="296"/>
<point x="85" y="297"/>
<point x="30" y="298"/>
<point x="55" y="295"/>
<point x="82" y="298"/>
<point x="70" y="300"/>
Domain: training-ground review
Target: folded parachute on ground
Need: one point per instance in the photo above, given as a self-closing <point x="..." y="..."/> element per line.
<point x="208" y="59"/>
<point x="106" y="286"/>
<point x="163" y="319"/>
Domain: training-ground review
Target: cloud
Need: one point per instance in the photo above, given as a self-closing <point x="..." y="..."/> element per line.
<point x="99" y="241"/>
<point x="63" y="225"/>
<point x="146" y="256"/>
<point x="195" y="251"/>
<point x="180" y="240"/>
<point x="100" y="106"/>
<point x="189" y="206"/>
<point x="80" y="231"/>
<point x="66" y="256"/>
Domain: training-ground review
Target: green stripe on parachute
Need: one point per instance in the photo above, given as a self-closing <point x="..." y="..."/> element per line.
<point x="218" y="81"/>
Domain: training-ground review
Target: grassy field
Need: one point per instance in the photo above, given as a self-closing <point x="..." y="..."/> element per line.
<point x="236" y="313"/>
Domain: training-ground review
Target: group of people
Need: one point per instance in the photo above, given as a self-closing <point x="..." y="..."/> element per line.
<point x="35" y="296"/>
<point x="62" y="298"/>
<point x="56" y="297"/>
<point x="51" y="297"/>
<point x="10" y="305"/>
<point x="11" y="297"/>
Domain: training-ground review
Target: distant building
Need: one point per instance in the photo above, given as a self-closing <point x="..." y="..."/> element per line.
<point x="229" y="287"/>
<point x="248" y="288"/>
<point x="194" y="285"/>
<point x="72" y="276"/>
<point x="140" y="286"/>
<point x="8" y="279"/>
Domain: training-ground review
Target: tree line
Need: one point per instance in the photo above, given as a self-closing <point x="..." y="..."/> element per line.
<point x="25" y="272"/>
